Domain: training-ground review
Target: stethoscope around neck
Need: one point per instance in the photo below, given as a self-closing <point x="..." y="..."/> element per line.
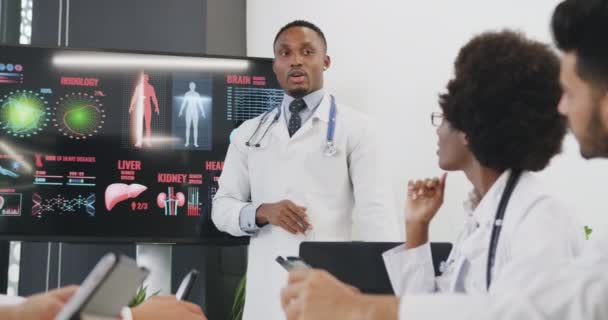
<point x="329" y="149"/>
<point x="498" y="222"/>
<point x="496" y="227"/>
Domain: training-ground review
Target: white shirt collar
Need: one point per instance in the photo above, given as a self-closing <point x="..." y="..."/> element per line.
<point x="312" y="100"/>
<point x="486" y="209"/>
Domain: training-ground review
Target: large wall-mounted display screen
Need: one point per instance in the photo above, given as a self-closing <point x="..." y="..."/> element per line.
<point x="119" y="146"/>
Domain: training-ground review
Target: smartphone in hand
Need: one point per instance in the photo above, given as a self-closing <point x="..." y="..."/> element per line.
<point x="292" y="263"/>
<point x="183" y="292"/>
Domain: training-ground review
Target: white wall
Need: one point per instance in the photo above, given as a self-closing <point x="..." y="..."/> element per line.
<point x="392" y="58"/>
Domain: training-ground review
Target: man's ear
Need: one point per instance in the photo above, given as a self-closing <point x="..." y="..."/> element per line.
<point x="326" y="62"/>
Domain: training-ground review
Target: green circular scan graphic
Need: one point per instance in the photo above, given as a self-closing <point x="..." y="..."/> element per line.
<point x="78" y="115"/>
<point x="23" y="113"/>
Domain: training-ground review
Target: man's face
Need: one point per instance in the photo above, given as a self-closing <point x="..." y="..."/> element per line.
<point x="585" y="107"/>
<point x="299" y="60"/>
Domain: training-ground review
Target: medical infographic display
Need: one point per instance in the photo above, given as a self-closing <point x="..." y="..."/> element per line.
<point x="119" y="146"/>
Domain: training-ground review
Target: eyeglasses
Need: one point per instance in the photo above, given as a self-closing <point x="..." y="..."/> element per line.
<point x="436" y="119"/>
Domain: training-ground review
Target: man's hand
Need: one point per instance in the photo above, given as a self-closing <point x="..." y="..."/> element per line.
<point x="167" y="307"/>
<point x="284" y="214"/>
<point x="42" y="306"/>
<point x="317" y="295"/>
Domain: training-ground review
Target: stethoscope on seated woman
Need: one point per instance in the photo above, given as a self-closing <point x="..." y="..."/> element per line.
<point x="330" y="148"/>
<point x="496" y="226"/>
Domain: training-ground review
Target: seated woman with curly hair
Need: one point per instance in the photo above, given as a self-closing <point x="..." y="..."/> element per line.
<point x="499" y="124"/>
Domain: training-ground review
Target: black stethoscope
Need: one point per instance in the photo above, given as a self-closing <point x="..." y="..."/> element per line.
<point x="330" y="148"/>
<point x="497" y="227"/>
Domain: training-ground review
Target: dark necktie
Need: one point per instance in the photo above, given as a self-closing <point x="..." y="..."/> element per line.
<point x="295" y="121"/>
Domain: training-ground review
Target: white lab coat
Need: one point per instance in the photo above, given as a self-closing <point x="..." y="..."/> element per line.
<point x="346" y="192"/>
<point x="535" y="223"/>
<point x="555" y="291"/>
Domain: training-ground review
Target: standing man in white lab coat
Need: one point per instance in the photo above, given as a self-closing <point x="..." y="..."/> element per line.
<point x="577" y="290"/>
<point x="310" y="169"/>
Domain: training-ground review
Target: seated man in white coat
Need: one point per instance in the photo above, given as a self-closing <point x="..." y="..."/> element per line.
<point x="576" y="290"/>
<point x="310" y="169"/>
<point x="498" y="132"/>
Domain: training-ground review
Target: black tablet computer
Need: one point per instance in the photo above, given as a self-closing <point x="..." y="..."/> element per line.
<point x="360" y="264"/>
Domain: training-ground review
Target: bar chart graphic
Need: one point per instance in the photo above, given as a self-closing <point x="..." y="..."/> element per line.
<point x="244" y="103"/>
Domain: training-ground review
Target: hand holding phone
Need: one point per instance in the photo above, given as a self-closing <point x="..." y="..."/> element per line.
<point x="292" y="263"/>
<point x="107" y="288"/>
<point x="183" y="292"/>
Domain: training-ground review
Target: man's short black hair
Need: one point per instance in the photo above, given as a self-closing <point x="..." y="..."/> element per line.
<point x="581" y="26"/>
<point x="305" y="24"/>
<point x="504" y="98"/>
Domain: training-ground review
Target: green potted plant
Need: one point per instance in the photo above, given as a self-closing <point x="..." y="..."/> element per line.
<point x="588" y="232"/>
<point x="239" y="299"/>
<point x="141" y="296"/>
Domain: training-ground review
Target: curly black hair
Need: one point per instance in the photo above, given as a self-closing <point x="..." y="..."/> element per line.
<point x="305" y="24"/>
<point x="504" y="97"/>
<point x="580" y="26"/>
